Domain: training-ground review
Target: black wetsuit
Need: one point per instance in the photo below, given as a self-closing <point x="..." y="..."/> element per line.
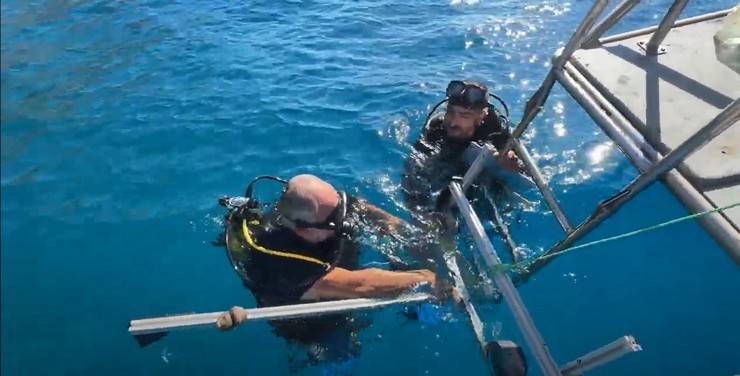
<point x="278" y="280"/>
<point x="275" y="280"/>
<point x="436" y="159"/>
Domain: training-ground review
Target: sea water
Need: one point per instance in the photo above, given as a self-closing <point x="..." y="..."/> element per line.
<point x="123" y="122"/>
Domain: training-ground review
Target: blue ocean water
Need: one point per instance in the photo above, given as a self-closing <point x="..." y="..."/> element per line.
<point x="123" y="122"/>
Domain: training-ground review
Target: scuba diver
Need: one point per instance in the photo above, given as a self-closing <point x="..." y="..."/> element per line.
<point x="305" y="249"/>
<point x="443" y="149"/>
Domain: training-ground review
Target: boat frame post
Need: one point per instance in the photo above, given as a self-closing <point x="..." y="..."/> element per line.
<point x="652" y="47"/>
<point x="592" y="39"/>
<point x="534" y="104"/>
<point x="534" y="339"/>
<point x="503" y="230"/>
<point x="544" y="188"/>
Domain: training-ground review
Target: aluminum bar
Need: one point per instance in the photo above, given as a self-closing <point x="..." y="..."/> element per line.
<point x="533" y="338"/>
<point x="464" y="295"/>
<point x="651" y="48"/>
<point x="605" y="354"/>
<point x="679" y="23"/>
<point x="576" y="40"/>
<point x="450" y="253"/>
<point x="477" y="166"/>
<point x="547" y="194"/>
<point x="473" y="171"/>
<point x="487" y="150"/>
<point x="168" y="323"/>
<point x="503" y="230"/>
<point x="532" y="107"/>
<point x="592" y="39"/>
<point x="572" y="81"/>
<point x="534" y="104"/>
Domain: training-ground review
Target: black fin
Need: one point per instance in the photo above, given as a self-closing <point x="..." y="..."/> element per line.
<point x="145" y="340"/>
<point x="220" y="240"/>
<point x="506" y="358"/>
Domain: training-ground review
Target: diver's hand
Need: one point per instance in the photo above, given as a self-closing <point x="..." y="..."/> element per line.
<point x="510" y="161"/>
<point x="440" y="288"/>
<point x="231" y="318"/>
<point x="395" y="225"/>
<point x="443" y="290"/>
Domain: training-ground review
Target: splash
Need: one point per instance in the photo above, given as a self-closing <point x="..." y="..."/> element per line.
<point x="466" y="2"/>
<point x="165" y="356"/>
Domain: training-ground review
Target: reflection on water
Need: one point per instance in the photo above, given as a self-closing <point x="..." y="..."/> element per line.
<point x="122" y="123"/>
<point x="598" y="153"/>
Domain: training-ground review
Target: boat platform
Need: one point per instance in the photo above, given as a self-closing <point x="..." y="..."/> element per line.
<point x="663" y="99"/>
<point x="672" y="107"/>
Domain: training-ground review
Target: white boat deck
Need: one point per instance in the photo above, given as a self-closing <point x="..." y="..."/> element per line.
<point x="669" y="97"/>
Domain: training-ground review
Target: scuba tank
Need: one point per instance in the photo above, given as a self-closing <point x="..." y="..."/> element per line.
<point x="242" y="210"/>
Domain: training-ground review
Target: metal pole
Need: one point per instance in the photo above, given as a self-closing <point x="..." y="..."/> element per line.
<point x="534" y="339"/>
<point x="533" y="107"/>
<point x="547" y="194"/>
<point x="665" y="26"/>
<point x="648" y="30"/>
<point x="167" y="323"/>
<point x="592" y="39"/>
<point x="487" y="150"/>
<point x="576" y="40"/>
<point x="477" y="166"/>
<point x="474" y="170"/>
<point x="502" y="229"/>
<point x="605" y="354"/>
<point x="604" y="114"/>
<point x="720" y="123"/>
<point x="534" y="104"/>
<point x="475" y="320"/>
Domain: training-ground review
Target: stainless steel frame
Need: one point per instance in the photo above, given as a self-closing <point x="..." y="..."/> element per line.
<point x="651" y="164"/>
<point x="605" y="354"/>
<point x="592" y="39"/>
<point x="532" y="336"/>
<point x="653" y="45"/>
<point x="534" y="339"/>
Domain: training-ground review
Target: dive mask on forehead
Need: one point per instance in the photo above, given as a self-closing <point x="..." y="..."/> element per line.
<point x="334" y="222"/>
<point x="250" y="186"/>
<point x="467" y="94"/>
<point x="247" y="202"/>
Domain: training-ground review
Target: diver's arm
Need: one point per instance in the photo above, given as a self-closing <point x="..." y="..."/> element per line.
<point x="388" y="222"/>
<point x="345" y="284"/>
<point x="366" y="283"/>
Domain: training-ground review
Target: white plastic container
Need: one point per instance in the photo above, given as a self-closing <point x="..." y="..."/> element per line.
<point x="727" y="41"/>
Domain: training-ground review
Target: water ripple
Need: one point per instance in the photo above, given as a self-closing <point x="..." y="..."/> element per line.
<point x="141" y="114"/>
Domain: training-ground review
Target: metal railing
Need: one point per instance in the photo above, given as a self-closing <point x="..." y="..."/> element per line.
<point x="587" y="35"/>
<point x="649" y="162"/>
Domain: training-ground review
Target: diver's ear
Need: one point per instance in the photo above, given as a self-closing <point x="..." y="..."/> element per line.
<point x="482" y="116"/>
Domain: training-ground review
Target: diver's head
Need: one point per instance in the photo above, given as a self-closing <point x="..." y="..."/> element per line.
<point x="309" y="208"/>
<point x="467" y="108"/>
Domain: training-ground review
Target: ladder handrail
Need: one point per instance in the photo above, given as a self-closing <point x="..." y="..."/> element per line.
<point x="534" y="339"/>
